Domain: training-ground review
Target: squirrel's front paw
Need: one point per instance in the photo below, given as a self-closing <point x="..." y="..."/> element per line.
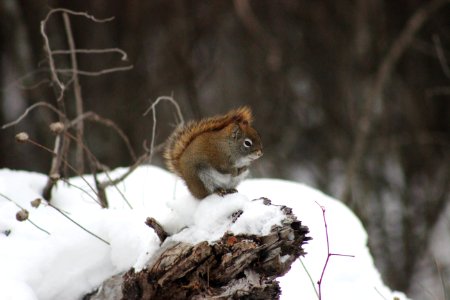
<point x="222" y="192"/>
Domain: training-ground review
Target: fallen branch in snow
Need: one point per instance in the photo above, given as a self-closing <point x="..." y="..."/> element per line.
<point x="233" y="267"/>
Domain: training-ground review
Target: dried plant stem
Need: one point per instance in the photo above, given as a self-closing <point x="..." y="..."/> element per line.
<point x="28" y="219"/>
<point x="95" y="73"/>
<point x="107" y="122"/>
<point x="100" y="186"/>
<point x="130" y="170"/>
<point x="55" y="166"/>
<point x="79" y="188"/>
<point x="329" y="253"/>
<point x="29" y="109"/>
<point x="152" y="108"/>
<point x="93" y="51"/>
<point x="118" y="190"/>
<point x="310" y="278"/>
<point x="65" y="162"/>
<point x="76" y="223"/>
<point x="79" y="157"/>
<point x="61" y="144"/>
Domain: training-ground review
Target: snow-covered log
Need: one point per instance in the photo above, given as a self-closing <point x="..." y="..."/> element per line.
<point x="235" y="266"/>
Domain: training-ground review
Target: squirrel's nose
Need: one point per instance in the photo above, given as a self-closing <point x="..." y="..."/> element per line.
<point x="259" y="153"/>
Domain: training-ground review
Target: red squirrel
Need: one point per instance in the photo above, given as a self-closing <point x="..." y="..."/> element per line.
<point x="212" y="155"/>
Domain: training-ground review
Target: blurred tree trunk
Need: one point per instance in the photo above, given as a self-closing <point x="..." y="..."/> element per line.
<point x="304" y="66"/>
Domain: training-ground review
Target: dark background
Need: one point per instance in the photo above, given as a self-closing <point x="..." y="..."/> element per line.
<point x="309" y="69"/>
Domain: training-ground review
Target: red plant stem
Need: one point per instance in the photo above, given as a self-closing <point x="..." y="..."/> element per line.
<point x="329" y="254"/>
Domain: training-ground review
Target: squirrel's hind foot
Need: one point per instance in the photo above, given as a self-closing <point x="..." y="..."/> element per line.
<point x="222" y="192"/>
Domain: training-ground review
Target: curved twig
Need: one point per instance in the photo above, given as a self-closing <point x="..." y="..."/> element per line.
<point x="152" y="108"/>
<point x="93" y="51"/>
<point x="29" y="109"/>
<point x="91" y="116"/>
<point x="94" y="73"/>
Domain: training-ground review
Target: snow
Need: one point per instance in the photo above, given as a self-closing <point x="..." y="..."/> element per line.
<point x="69" y="262"/>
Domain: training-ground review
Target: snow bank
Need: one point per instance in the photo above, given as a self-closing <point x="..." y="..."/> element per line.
<point x="70" y="262"/>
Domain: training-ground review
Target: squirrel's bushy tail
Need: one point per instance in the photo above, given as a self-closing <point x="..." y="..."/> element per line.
<point x="186" y="133"/>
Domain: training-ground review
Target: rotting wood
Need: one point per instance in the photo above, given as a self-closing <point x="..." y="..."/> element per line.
<point x="235" y="267"/>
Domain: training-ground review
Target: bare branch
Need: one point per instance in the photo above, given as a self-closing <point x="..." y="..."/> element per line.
<point x="95" y="73"/>
<point x="329" y="254"/>
<point x="93" y="51"/>
<point x="29" y="109"/>
<point x="130" y="170"/>
<point x="34" y="86"/>
<point x="79" y="157"/>
<point x="109" y="123"/>
<point x="100" y="186"/>
<point x="77" y="13"/>
<point x="375" y="94"/>
<point x="152" y="108"/>
<point x="29" y="140"/>
<point x="47" y="48"/>
<point x="117" y="189"/>
<point x="171" y="100"/>
<point x="441" y="56"/>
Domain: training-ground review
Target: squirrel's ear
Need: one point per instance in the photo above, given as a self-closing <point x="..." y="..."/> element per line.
<point x="236" y="132"/>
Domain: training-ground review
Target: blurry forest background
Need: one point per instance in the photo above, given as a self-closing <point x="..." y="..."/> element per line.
<point x="351" y="97"/>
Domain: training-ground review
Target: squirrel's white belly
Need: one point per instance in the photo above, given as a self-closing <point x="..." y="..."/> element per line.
<point x="213" y="179"/>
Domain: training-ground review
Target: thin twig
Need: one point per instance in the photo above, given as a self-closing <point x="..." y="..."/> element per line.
<point x="98" y="165"/>
<point x="153" y="109"/>
<point x="171" y="100"/>
<point x="61" y="144"/>
<point x="93" y="51"/>
<point x="65" y="162"/>
<point x="441" y="55"/>
<point x="380" y="294"/>
<point x="79" y="188"/>
<point x="73" y="221"/>
<point x="77" y="13"/>
<point x="310" y="278"/>
<point x="118" y="190"/>
<point x="94" y="73"/>
<point x="130" y="170"/>
<point x="33" y="86"/>
<point x="107" y="122"/>
<point x="48" y="48"/>
<point x="28" y="219"/>
<point x="29" y="109"/>
<point x="329" y="254"/>
<point x="79" y="157"/>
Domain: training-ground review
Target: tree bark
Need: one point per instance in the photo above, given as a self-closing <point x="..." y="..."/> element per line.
<point x="235" y="267"/>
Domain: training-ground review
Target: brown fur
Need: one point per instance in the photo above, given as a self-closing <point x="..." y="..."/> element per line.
<point x="182" y="137"/>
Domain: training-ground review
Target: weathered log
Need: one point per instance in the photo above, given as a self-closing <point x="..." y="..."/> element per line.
<point x="235" y="267"/>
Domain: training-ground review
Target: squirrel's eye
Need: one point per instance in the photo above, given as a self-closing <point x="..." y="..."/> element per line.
<point x="248" y="143"/>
